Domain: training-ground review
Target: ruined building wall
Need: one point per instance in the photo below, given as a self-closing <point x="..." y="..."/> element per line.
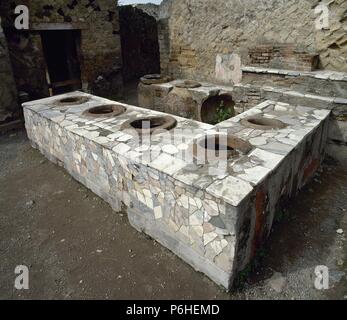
<point x="139" y="39"/>
<point x="100" y="47"/>
<point x="8" y="91"/>
<point x="193" y="32"/>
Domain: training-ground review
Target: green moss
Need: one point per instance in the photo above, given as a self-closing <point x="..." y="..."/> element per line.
<point x="244" y="275"/>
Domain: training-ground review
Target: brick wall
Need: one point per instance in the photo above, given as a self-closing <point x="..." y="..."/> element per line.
<point x="285" y="56"/>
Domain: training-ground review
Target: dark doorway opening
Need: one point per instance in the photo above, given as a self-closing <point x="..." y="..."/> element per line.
<point x="61" y="50"/>
<point x="140" y="44"/>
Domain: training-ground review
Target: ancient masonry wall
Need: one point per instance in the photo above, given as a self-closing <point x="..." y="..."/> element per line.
<point x="285" y="56"/>
<point x="192" y="33"/>
<point x="100" y="47"/>
<point x="8" y="91"/>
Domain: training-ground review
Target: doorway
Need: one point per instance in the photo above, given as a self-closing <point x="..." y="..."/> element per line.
<point x="61" y="50"/>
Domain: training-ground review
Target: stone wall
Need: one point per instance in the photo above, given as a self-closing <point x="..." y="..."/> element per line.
<point x="99" y="51"/>
<point x="139" y="38"/>
<point x="194" y="32"/>
<point x="8" y="91"/>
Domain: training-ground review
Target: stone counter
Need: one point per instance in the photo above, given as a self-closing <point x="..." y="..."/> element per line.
<point x="213" y="213"/>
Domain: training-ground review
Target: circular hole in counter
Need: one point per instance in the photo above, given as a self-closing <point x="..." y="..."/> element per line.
<point x="150" y="124"/>
<point x="262" y="123"/>
<point x="108" y="110"/>
<point x="154" y="79"/>
<point x="187" y="84"/>
<point x="72" y="100"/>
<point x="219" y="147"/>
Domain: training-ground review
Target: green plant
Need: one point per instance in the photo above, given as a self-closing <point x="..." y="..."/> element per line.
<point x="223" y="113"/>
<point x="243" y="275"/>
